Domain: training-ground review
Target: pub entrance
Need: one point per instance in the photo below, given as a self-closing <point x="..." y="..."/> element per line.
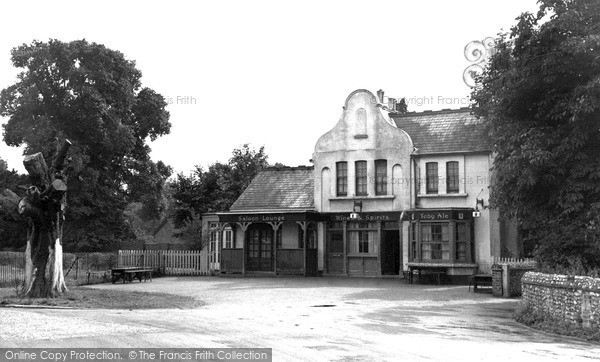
<point x="336" y="252"/>
<point x="390" y="252"/>
<point x="260" y="248"/>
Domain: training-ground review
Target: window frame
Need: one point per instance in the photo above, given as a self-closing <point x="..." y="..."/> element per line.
<point x="452" y="180"/>
<point x="459" y="247"/>
<point x="380" y="177"/>
<point x="438" y="246"/>
<point x="361" y="176"/>
<point x="341" y="177"/>
<point x="365" y="242"/>
<point x="431" y="179"/>
<point x="228" y="238"/>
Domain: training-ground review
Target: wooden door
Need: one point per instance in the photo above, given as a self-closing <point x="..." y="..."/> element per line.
<point x="260" y="248"/>
<point x="390" y="253"/>
<point x="335" y="252"/>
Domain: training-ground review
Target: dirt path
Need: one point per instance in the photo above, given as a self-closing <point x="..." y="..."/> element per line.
<point x="312" y="319"/>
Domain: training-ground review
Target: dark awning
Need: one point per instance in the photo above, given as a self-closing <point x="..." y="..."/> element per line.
<point x="269" y="216"/>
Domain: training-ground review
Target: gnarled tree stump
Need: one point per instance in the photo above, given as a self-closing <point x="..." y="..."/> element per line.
<point x="44" y="207"/>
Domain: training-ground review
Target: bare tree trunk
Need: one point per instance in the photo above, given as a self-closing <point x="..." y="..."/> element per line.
<point x="44" y="206"/>
<point x="28" y="262"/>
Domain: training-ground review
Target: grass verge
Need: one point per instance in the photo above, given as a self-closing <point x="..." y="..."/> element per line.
<point x="87" y="298"/>
<point x="538" y="320"/>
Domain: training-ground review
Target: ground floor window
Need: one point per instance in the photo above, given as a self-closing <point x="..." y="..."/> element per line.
<point x="461" y="241"/>
<point x="228" y="238"/>
<point x="448" y="241"/>
<point x="362" y="238"/>
<point x="435" y="242"/>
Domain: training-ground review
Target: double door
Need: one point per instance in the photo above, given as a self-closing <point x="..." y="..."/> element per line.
<point x="260" y="250"/>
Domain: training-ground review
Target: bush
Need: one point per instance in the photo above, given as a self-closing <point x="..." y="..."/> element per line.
<point x="534" y="318"/>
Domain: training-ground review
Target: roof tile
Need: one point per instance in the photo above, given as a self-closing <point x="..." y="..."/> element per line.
<point x="445" y="131"/>
<point x="272" y="189"/>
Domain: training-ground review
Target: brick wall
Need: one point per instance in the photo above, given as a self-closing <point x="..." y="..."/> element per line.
<point x="575" y="299"/>
<point x="496" y="280"/>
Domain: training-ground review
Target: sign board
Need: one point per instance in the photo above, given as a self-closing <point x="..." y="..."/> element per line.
<point x="441" y="215"/>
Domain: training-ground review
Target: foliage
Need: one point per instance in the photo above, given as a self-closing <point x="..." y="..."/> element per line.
<point x="191" y="233"/>
<point x="93" y="96"/>
<point x="217" y="188"/>
<point x="534" y="318"/>
<point x="12" y="232"/>
<point x="540" y="95"/>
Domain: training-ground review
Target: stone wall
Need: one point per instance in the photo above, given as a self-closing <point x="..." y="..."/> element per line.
<point x="515" y="275"/>
<point x="506" y="277"/>
<point x="574" y="299"/>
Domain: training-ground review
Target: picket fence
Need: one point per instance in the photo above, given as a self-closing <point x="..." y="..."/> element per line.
<point x="168" y="262"/>
<point x="498" y="260"/>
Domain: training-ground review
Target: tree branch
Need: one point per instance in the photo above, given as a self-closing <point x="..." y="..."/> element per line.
<point x="37" y="169"/>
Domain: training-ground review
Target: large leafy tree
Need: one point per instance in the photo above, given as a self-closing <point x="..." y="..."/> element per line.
<point x="12" y="230"/>
<point x="541" y="97"/>
<point x="217" y="188"/>
<point x="93" y="96"/>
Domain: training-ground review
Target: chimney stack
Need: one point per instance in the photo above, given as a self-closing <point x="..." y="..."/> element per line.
<point x="380" y="95"/>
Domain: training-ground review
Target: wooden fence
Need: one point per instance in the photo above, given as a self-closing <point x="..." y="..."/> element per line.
<point x="168" y="262"/>
<point x="75" y="267"/>
<point x="12" y="268"/>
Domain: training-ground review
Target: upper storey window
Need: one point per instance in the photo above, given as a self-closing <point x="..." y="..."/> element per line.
<point x="452" y="177"/>
<point x="431" y="175"/>
<point x="361" y="178"/>
<point x="380" y="177"/>
<point x="341" y="171"/>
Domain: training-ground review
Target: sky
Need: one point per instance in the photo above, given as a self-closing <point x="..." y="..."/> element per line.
<point x="267" y="73"/>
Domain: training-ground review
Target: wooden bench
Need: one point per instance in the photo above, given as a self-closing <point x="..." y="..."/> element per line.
<point x="128" y="274"/>
<point x="103" y="273"/>
<point x="479" y="280"/>
<point x="436" y="271"/>
<point x="139" y="274"/>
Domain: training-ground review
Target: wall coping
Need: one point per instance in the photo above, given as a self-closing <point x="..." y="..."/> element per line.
<point x="559" y="281"/>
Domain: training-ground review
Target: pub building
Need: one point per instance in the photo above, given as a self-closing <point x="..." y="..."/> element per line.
<point x="387" y="193"/>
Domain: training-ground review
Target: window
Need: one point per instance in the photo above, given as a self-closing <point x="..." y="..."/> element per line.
<point x="380" y="177"/>
<point x="361" y="238"/>
<point x="228" y="237"/>
<point x="341" y="171"/>
<point x="361" y="178"/>
<point x="431" y="175"/>
<point x="435" y="242"/>
<point x="413" y="242"/>
<point x="461" y="241"/>
<point x="452" y="177"/>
